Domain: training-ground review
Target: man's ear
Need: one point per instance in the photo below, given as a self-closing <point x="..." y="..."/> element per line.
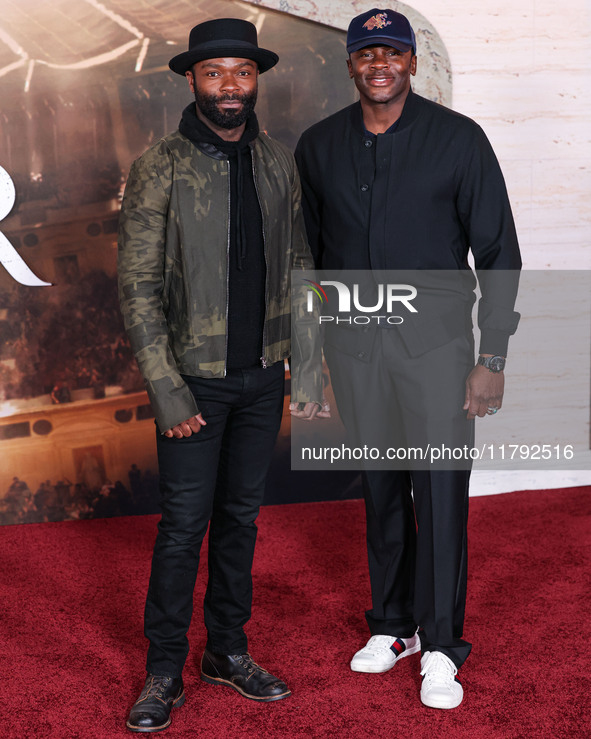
<point x="413" y="64"/>
<point x="350" y="68"/>
<point x="191" y="79"/>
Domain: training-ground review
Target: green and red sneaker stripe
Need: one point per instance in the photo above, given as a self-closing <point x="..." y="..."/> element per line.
<point x="398" y="647"/>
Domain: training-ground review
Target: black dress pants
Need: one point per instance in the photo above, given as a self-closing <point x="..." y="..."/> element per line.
<point x="418" y="571"/>
<point x="416" y="519"/>
<point x="214" y="477"/>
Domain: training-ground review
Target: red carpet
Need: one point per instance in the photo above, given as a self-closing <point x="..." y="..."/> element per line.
<point x="72" y="654"/>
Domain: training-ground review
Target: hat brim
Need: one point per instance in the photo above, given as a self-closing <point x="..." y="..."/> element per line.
<point x="379" y="41"/>
<point x="264" y="58"/>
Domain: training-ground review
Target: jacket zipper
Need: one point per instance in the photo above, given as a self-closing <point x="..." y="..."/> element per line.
<point x="228" y="270"/>
<point x="256" y="188"/>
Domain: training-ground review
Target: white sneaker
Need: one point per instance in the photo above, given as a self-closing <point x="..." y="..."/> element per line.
<point x="382" y="652"/>
<point x="440" y="687"/>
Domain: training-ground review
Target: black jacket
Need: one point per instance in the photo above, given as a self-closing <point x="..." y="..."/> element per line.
<point x="415" y="199"/>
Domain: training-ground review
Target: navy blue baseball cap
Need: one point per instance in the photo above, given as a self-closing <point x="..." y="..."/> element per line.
<point x="383" y="27"/>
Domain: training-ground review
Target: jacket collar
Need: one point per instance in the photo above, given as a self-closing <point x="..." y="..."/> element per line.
<point x="207" y="141"/>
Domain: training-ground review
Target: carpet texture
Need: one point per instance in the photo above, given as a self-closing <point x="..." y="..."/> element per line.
<point x="72" y="655"/>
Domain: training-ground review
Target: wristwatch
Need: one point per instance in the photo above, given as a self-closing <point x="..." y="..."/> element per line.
<point x="494" y="364"/>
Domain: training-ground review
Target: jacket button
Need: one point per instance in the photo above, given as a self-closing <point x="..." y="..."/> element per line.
<point x="360" y="355"/>
<point x="368" y="143"/>
<point x="364" y="188"/>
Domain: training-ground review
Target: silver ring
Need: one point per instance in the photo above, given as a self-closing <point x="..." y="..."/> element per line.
<point x="492" y="411"/>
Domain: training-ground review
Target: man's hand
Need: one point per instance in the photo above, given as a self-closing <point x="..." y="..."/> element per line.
<point x="186" y="428"/>
<point x="309" y="411"/>
<point x="484" y="390"/>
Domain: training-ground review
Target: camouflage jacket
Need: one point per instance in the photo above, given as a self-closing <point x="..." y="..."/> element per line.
<point x="173" y="269"/>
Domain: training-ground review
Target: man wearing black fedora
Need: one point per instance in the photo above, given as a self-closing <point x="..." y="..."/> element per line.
<point x="210" y="230"/>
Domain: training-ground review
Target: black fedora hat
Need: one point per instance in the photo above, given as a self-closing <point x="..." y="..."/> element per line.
<point x="223" y="37"/>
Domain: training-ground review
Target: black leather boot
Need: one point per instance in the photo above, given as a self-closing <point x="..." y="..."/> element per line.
<point x="151" y="711"/>
<point x="240" y="672"/>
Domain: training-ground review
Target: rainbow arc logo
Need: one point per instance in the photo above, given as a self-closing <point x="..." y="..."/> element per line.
<point x="318" y="289"/>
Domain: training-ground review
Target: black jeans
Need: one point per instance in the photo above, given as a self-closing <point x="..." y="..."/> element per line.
<point x="216" y="476"/>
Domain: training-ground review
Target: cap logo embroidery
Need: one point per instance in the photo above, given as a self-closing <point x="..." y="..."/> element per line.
<point x="380" y="20"/>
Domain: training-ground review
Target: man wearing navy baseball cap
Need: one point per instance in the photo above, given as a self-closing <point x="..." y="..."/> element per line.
<point x="397" y="182"/>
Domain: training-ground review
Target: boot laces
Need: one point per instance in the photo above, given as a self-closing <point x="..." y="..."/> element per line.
<point x="248" y="663"/>
<point x="156" y="687"/>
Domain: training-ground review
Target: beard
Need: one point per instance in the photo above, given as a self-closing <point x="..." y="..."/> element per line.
<point x="208" y="105"/>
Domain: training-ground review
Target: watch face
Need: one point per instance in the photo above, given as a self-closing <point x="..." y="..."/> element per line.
<point x="497" y="364"/>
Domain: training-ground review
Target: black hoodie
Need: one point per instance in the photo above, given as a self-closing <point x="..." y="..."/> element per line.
<point x="247" y="269"/>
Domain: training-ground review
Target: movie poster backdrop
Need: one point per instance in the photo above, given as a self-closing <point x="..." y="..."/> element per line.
<point x="85" y="90"/>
